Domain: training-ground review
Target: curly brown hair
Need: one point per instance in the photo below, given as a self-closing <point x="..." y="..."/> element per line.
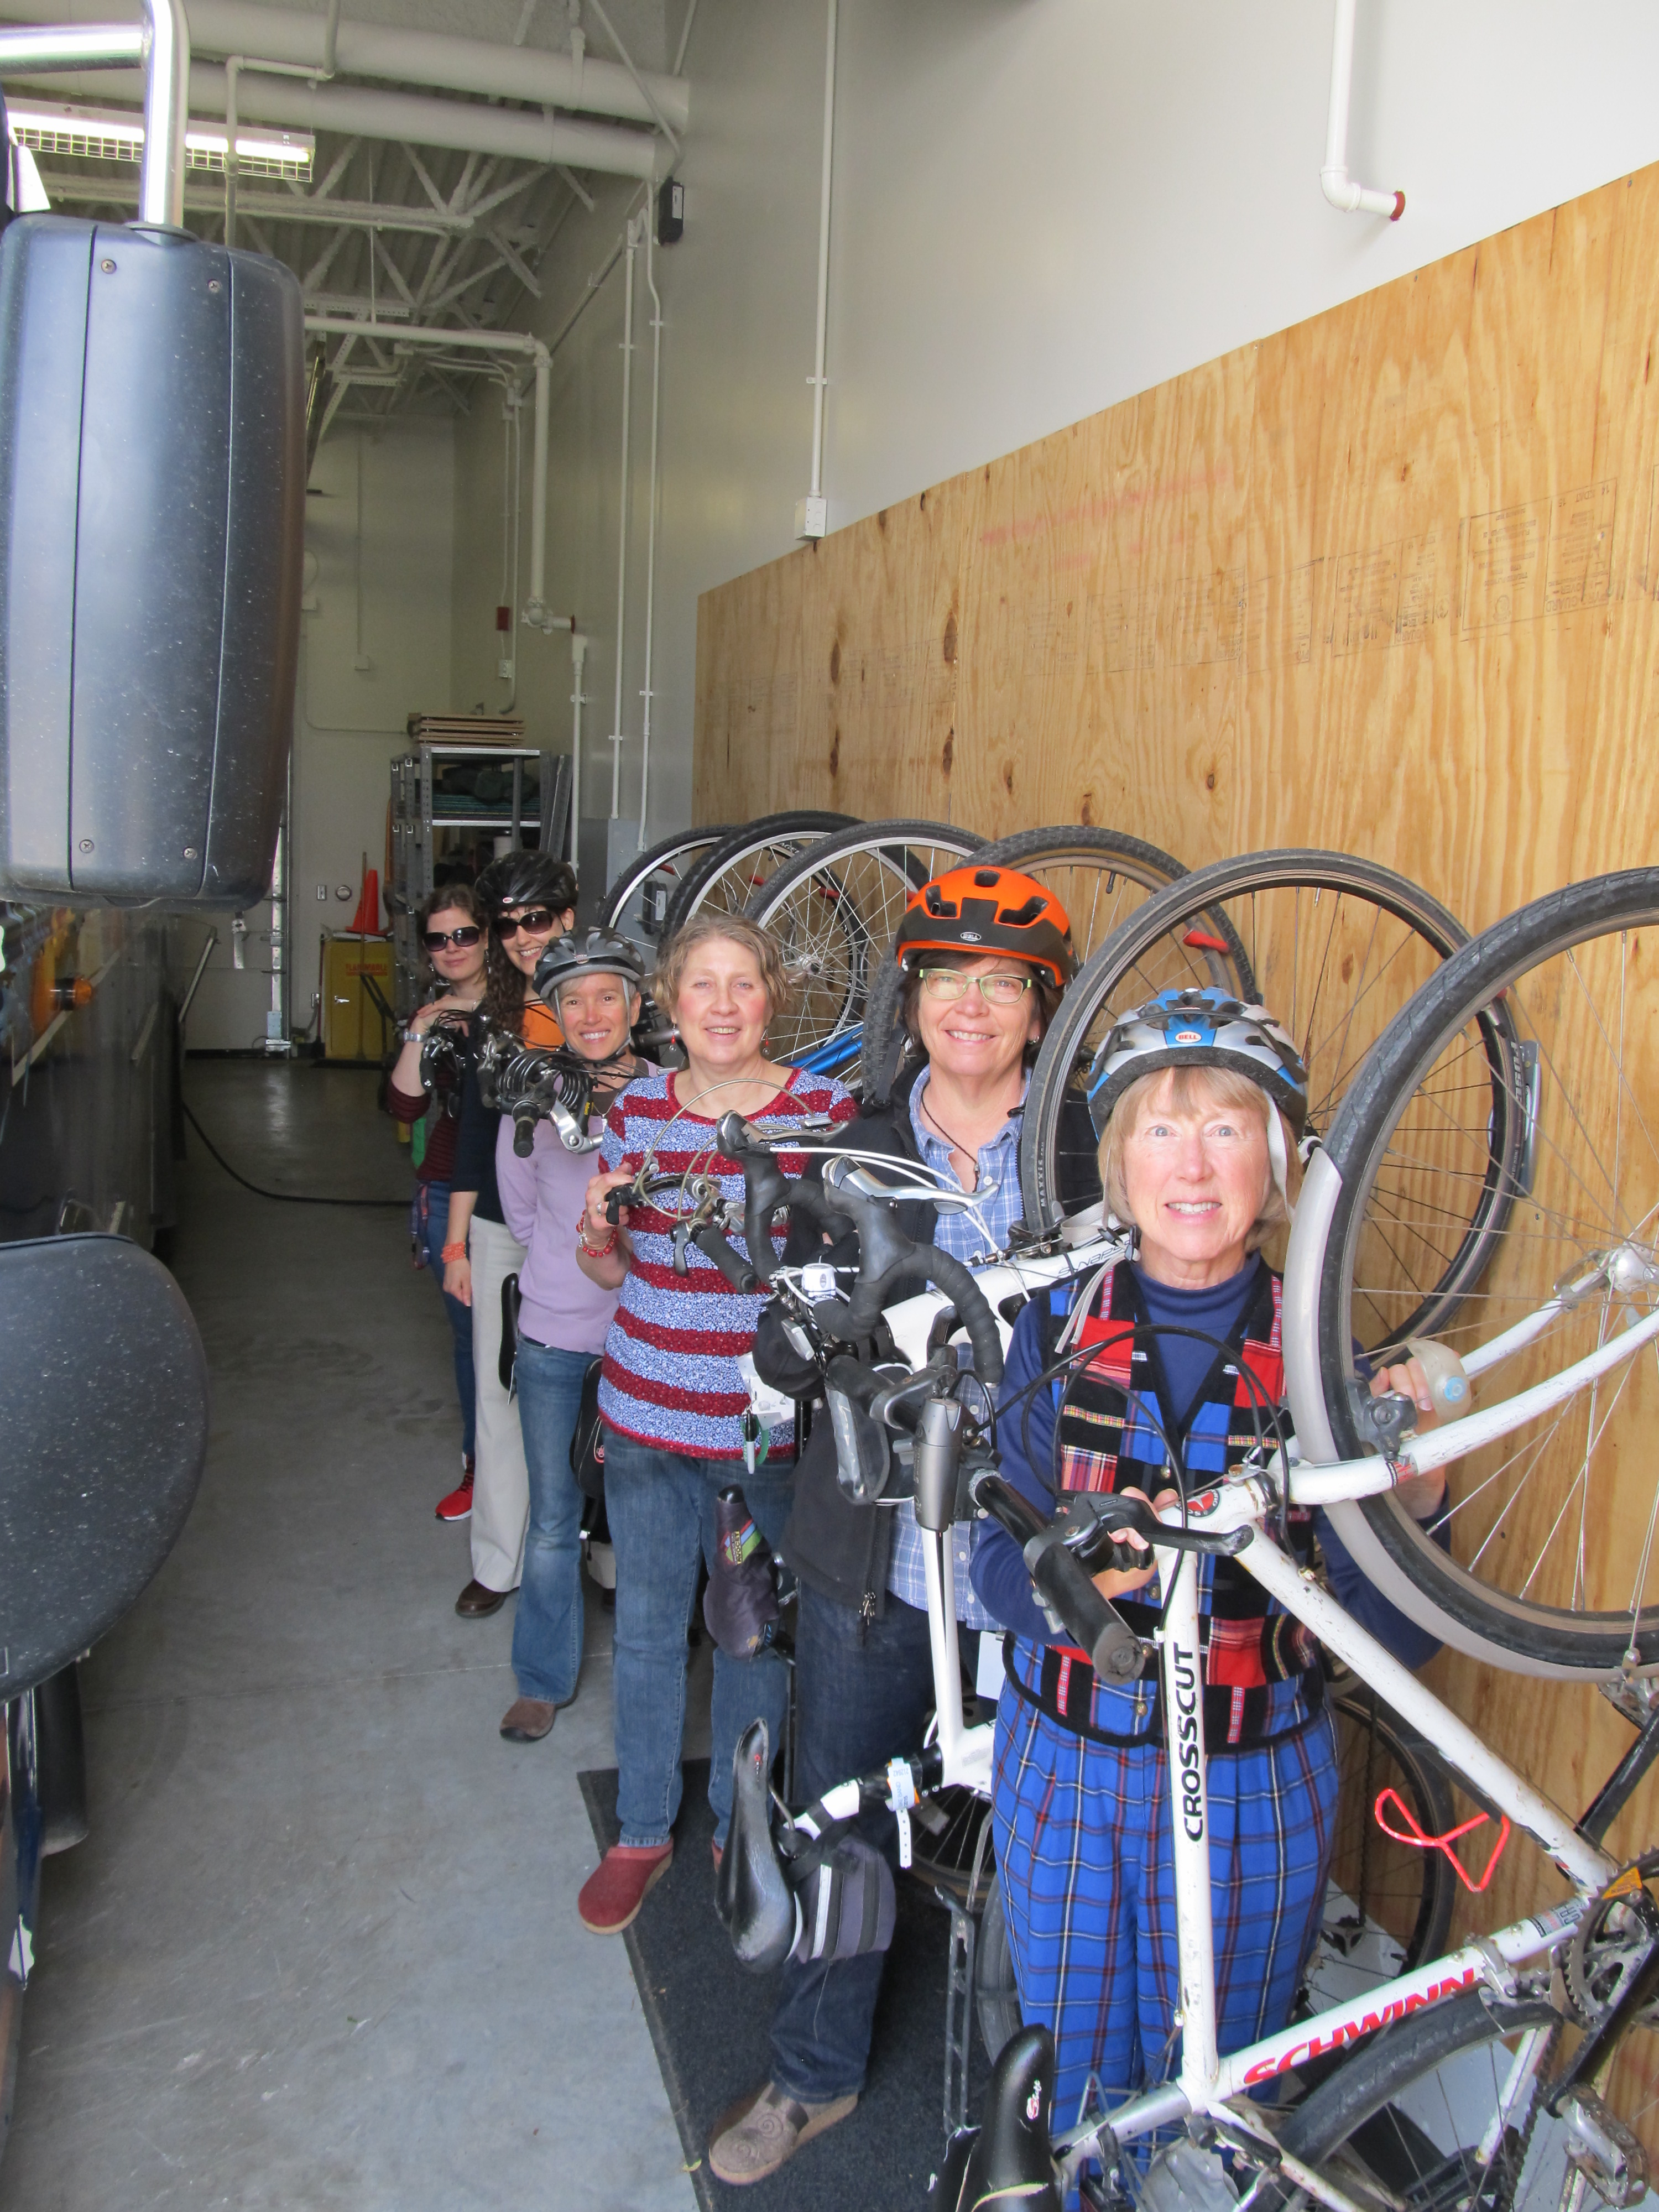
<point x="533" y="878"/>
<point x="736" y="929"/>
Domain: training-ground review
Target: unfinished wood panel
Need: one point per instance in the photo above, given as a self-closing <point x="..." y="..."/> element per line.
<point x="1387" y="582"/>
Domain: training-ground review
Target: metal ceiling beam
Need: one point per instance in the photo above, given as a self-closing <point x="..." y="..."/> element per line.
<point x="350" y="215"/>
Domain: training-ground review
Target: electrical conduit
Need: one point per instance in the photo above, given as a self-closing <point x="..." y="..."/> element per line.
<point x="1338" y="186"/>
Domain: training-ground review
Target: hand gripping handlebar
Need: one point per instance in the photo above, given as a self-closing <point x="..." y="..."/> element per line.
<point x="887" y="1257"/>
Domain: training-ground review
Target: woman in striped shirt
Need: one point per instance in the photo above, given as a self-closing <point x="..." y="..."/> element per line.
<point x="673" y="1395"/>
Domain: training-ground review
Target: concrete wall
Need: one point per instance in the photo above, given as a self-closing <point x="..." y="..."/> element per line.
<point x="1042" y="207"/>
<point x="375" y="649"/>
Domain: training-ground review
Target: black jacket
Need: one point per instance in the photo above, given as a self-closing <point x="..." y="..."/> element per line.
<point x="841" y="1549"/>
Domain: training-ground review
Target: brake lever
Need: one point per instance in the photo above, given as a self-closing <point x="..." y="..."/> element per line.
<point x="1097" y="1522"/>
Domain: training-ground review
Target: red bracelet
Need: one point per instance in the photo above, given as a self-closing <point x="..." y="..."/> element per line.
<point x="594" y="1251"/>
<point x="452" y="1252"/>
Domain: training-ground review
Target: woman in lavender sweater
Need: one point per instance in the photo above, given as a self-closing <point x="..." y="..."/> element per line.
<point x="591" y="982"/>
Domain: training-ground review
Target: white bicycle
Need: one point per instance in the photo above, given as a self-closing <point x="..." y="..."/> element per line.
<point x="1539" y="1144"/>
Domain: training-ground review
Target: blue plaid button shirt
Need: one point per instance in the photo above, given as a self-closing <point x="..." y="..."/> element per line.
<point x="972" y="1237"/>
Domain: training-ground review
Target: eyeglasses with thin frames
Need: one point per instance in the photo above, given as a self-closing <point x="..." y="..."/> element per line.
<point x="1003" y="991"/>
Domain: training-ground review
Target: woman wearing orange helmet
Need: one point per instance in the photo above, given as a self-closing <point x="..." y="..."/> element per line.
<point x="986" y="954"/>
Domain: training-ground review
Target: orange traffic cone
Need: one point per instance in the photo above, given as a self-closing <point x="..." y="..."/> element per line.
<point x="366" y="922"/>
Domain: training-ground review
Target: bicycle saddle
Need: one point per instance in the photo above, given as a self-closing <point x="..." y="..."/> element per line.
<point x="1006" y="2160"/>
<point x="754" y="1900"/>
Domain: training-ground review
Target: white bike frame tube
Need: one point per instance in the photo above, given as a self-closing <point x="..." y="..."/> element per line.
<point x="1182" y="1664"/>
<point x="1398" y="1687"/>
<point x="964" y="1753"/>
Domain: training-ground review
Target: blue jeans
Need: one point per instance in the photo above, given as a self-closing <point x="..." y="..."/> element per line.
<point x="660" y="1505"/>
<point x="460" y="1316"/>
<point x="863" y="1693"/>
<point x="547" y="1633"/>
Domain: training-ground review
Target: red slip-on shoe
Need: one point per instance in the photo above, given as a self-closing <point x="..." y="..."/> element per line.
<point x="613" y="1894"/>
<point x="457" y="1506"/>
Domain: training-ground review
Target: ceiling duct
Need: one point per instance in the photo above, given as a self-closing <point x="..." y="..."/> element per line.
<point x="403" y="57"/>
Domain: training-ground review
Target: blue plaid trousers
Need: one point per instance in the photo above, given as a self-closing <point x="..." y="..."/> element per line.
<point x="1088" y="1884"/>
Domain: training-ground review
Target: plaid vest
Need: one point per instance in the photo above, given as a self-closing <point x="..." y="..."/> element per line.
<point x="1106" y="1435"/>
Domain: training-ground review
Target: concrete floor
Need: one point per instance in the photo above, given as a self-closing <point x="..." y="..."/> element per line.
<point x="321" y="1948"/>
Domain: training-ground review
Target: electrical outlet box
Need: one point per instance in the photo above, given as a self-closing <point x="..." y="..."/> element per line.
<point x="670" y="212"/>
<point x="812" y="517"/>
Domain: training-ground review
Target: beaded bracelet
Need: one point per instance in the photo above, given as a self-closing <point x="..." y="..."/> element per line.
<point x="594" y="1251"/>
<point x="452" y="1252"/>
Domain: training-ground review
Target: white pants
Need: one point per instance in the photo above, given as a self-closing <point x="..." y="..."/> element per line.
<point x="501" y="1486"/>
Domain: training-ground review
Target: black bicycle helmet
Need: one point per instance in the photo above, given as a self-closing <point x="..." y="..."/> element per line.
<point x="588" y="952"/>
<point x="528" y="879"/>
<point x="971" y="909"/>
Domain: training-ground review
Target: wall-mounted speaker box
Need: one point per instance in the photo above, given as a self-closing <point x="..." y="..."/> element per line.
<point x="152" y="512"/>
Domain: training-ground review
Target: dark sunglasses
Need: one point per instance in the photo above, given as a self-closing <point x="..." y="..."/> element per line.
<point x="436" y="940"/>
<point x="535" y="921"/>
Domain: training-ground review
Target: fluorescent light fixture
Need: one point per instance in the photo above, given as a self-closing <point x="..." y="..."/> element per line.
<point x="110" y="134"/>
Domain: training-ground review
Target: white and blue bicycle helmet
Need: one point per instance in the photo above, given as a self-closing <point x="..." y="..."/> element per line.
<point x="1200" y="1029"/>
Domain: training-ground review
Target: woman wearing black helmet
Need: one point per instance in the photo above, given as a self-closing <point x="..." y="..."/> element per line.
<point x="592" y="981"/>
<point x="985" y="952"/>
<point x="530" y="898"/>
<point x="1199" y="1101"/>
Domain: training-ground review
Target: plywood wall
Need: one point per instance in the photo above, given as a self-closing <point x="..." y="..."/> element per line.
<point x="1385" y="582"/>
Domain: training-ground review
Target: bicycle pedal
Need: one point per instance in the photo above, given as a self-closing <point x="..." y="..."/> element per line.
<point x="1602" y="2149"/>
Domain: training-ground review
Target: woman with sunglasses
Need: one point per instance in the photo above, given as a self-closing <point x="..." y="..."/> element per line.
<point x="986" y="953"/>
<point x="449" y="926"/>
<point x="531" y="899"/>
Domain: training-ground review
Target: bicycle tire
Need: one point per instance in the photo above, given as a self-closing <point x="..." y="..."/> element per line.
<point x="996" y="1993"/>
<point x="1164" y="941"/>
<point x="1355" y="2121"/>
<point x="1546" y="960"/>
<point x="865" y="874"/>
<point x="1066" y="847"/>
<point x="748" y="847"/>
<point x="669" y="858"/>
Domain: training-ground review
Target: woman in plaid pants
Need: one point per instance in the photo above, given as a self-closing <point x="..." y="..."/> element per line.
<point x="1192" y="1096"/>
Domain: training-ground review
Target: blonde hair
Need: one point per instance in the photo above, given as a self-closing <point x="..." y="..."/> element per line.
<point x="1185" y="1089"/>
<point x="735" y="929"/>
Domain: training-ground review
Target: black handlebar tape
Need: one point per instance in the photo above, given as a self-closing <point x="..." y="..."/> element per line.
<point x="950" y="1276"/>
<point x="736" y="1269"/>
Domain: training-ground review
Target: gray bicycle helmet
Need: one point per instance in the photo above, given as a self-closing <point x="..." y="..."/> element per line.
<point x="1200" y="1029"/>
<point x="588" y="952"/>
<point x="528" y="879"/>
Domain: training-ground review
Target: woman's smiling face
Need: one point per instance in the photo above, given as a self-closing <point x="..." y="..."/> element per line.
<point x="1196" y="1177"/>
<point x="722" y="1009"/>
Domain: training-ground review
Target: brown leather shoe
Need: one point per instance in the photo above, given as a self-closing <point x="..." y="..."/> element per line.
<point x="478" y="1601"/>
<point x="527" y="1720"/>
<point x="764" y="2132"/>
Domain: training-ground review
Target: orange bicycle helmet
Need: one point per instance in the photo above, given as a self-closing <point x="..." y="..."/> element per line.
<point x="969" y="909"/>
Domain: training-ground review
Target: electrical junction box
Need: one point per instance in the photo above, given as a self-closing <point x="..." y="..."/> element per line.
<point x="152" y="514"/>
<point x="812" y="517"/>
<point x="670" y="212"/>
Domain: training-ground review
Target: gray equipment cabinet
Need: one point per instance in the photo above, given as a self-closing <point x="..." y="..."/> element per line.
<point x="450" y="803"/>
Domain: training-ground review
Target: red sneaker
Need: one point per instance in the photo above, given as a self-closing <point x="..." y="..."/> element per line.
<point x="457" y="1506"/>
<point x="613" y="1894"/>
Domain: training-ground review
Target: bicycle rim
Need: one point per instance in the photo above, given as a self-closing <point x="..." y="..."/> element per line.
<point x="1100" y="876"/>
<point x="1334" y="945"/>
<point x="728" y="877"/>
<point x="636" y="905"/>
<point x="1553" y="1530"/>
<point x="835" y="909"/>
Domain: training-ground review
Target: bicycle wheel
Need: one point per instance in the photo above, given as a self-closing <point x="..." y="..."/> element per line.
<point x="1552" y="1566"/>
<point x="835" y="909"/>
<point x="1099" y="876"/>
<point x="728" y="875"/>
<point x="636" y="905"/>
<point x="996" y="1994"/>
<point x="1400" y="2122"/>
<point x="1388" y="1907"/>
<point x="1335" y="947"/>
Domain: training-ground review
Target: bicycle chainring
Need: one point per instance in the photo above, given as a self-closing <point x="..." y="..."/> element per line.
<point x="1612" y="1942"/>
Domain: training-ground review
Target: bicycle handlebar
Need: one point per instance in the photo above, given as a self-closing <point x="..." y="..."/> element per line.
<point x="1094" y="1624"/>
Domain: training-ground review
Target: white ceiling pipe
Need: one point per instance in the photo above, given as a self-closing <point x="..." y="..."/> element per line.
<point x="578" y="656"/>
<point x="651" y="517"/>
<point x="811" y="513"/>
<point x="352" y="112"/>
<point x="634" y="226"/>
<point x="1338" y="186"/>
<point x="403" y="57"/>
<point x="503" y="342"/>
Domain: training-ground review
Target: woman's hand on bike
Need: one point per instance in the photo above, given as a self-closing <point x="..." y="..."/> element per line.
<point x="1119" y="1582"/>
<point x="1420" y="1494"/>
<point x="597" y="1227"/>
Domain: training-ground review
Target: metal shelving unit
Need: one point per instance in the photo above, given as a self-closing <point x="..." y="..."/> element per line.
<point x="436" y="817"/>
